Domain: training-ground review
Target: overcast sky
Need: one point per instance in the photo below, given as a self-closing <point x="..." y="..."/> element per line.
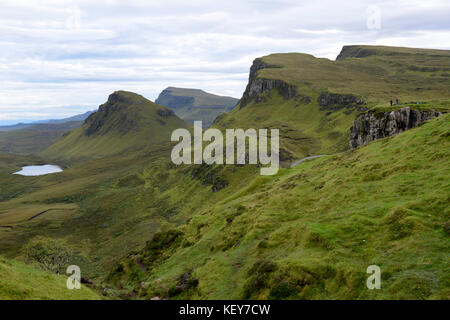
<point x="60" y="57"/>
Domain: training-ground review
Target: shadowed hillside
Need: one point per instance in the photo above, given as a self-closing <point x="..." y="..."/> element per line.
<point x="195" y="105"/>
<point x="34" y="138"/>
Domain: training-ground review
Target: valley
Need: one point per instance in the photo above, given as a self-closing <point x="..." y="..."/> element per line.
<point x="142" y="227"/>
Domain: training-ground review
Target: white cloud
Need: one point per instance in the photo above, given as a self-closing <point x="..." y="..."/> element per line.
<point x="61" y="57"/>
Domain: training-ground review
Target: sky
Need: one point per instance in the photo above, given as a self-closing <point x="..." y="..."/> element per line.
<point x="63" y="57"/>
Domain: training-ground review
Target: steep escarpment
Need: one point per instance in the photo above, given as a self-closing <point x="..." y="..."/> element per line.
<point x="312" y="117"/>
<point x="257" y="87"/>
<point x="362" y="51"/>
<point x="120" y="114"/>
<point x="371" y="126"/>
<point x="195" y="105"/>
<point x="314" y="101"/>
<point x="125" y="122"/>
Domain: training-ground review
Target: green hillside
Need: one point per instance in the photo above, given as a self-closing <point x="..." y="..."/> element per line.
<point x="19" y="281"/>
<point x="310" y="232"/>
<point x="146" y="227"/>
<point x="315" y="100"/>
<point x="111" y="206"/>
<point x="195" y="105"/>
<point x="126" y="122"/>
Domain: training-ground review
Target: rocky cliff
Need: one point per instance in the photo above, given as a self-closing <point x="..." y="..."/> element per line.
<point x="337" y="101"/>
<point x="112" y="111"/>
<point x="256" y="86"/>
<point x="371" y="126"/>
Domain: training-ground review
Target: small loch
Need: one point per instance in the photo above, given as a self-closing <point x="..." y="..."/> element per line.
<point x="38" y="170"/>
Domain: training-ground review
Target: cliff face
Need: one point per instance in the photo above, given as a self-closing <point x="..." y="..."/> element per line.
<point x="111" y="111"/>
<point x="256" y="87"/>
<point x="370" y="126"/>
<point x="337" y="101"/>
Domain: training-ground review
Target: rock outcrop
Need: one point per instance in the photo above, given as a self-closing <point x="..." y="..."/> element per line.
<point x="371" y="126"/>
<point x="108" y="111"/>
<point x="165" y="113"/>
<point x="256" y="86"/>
<point x="337" y="100"/>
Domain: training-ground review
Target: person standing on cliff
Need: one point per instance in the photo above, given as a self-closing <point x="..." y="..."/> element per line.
<point x="391" y="102"/>
<point x="396" y="101"/>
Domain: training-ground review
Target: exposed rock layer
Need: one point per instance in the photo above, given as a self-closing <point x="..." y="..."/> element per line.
<point x="105" y="113"/>
<point x="371" y="126"/>
<point x="256" y="86"/>
<point x="335" y="99"/>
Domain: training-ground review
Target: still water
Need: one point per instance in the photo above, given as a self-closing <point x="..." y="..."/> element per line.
<point x="38" y="170"/>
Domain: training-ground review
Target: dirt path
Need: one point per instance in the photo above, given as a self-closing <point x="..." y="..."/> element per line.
<point x="293" y="164"/>
<point x="139" y="264"/>
<point x="40" y="213"/>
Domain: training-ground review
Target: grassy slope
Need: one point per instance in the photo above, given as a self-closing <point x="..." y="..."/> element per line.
<point x="133" y="123"/>
<point x="19" y="281"/>
<point x="111" y="206"/>
<point x="405" y="73"/>
<point x="322" y="224"/>
<point x="307" y="128"/>
<point x="108" y="207"/>
<point x="205" y="106"/>
<point x="304" y="129"/>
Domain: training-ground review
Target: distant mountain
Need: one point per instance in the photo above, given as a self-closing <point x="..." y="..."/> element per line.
<point x="78" y="117"/>
<point x="18" y="126"/>
<point x="126" y="122"/>
<point x="34" y="138"/>
<point x="194" y="104"/>
<point x="21" y="126"/>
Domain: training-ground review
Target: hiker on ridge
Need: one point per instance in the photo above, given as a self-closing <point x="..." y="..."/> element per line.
<point x="396" y="101"/>
<point x="391" y="102"/>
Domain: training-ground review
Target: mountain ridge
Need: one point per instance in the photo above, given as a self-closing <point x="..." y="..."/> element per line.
<point x="21" y="125"/>
<point x="314" y="101"/>
<point x="195" y="104"/>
